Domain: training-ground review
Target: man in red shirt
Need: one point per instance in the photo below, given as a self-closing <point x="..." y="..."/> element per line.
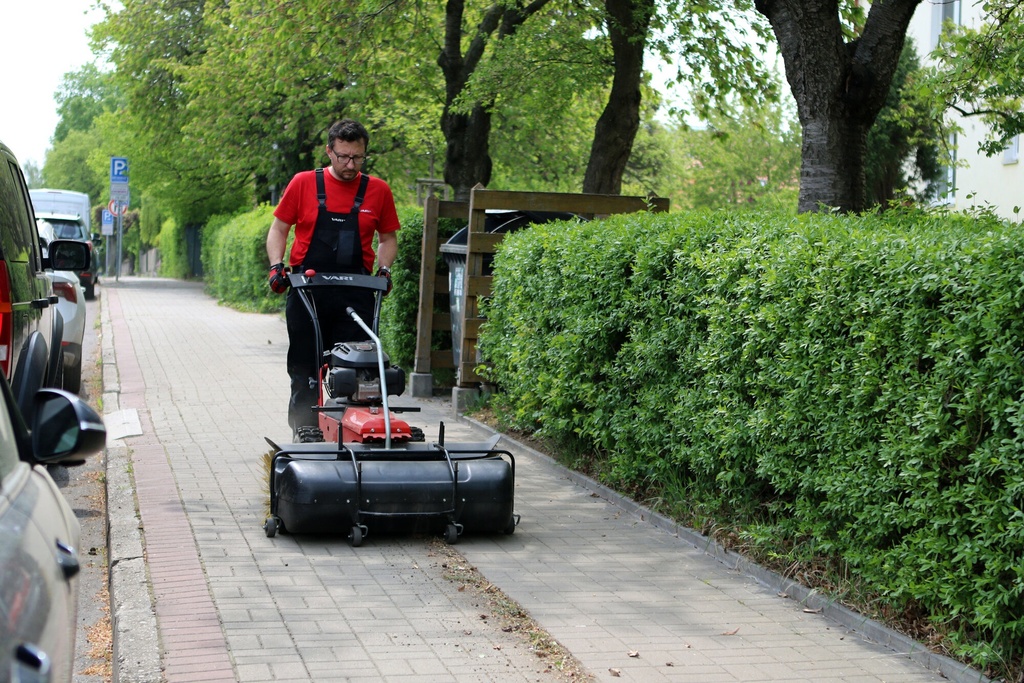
<point x="335" y="211"/>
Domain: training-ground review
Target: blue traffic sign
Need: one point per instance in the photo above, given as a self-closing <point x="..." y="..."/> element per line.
<point x="118" y="169"/>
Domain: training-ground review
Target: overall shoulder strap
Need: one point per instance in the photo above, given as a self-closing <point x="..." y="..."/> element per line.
<point x="363" y="182"/>
<point x="321" y="191"/>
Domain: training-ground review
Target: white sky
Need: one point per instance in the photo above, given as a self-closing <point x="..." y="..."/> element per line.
<point x="42" y="40"/>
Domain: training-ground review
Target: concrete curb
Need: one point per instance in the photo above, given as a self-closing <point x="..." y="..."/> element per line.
<point x="136" y="646"/>
<point x="811" y="599"/>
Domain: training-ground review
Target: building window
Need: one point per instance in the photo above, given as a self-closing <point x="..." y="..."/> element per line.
<point x="942" y="12"/>
<point x="945" y="190"/>
<point x="1011" y="154"/>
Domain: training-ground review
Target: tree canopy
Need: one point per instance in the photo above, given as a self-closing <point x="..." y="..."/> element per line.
<point x="82" y="97"/>
<point x="241" y="93"/>
<point x="151" y="45"/>
<point x="978" y="72"/>
<point x="219" y="103"/>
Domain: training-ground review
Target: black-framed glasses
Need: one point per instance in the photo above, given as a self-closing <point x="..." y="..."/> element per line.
<point x="344" y="159"/>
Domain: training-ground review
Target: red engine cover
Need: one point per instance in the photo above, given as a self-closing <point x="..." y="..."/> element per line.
<point x="364" y="424"/>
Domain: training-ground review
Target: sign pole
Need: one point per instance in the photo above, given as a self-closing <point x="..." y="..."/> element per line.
<point x="120" y="238"/>
<point x="119" y="198"/>
<point x="108" y="237"/>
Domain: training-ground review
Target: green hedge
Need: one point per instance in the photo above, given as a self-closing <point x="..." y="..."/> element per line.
<point x="171" y="241"/>
<point x="208" y="252"/>
<point x="235" y="261"/>
<point x="846" y="388"/>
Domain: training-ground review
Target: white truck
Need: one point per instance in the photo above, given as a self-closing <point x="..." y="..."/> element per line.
<point x="69" y="213"/>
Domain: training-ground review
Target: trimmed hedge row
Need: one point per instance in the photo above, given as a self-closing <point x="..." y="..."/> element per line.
<point x="835" y="387"/>
<point x="235" y="261"/>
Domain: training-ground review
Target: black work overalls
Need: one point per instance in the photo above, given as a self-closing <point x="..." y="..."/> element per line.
<point x="336" y="246"/>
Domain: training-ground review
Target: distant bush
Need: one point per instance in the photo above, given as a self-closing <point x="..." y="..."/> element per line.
<point x="208" y="249"/>
<point x="171" y="240"/>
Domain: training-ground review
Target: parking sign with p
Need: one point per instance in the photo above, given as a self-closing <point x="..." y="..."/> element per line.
<point x="118" y="169"/>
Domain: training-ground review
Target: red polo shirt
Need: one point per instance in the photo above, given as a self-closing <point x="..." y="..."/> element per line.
<point x="298" y="207"/>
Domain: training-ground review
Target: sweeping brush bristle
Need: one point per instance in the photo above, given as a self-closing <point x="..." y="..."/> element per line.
<point x="267" y="463"/>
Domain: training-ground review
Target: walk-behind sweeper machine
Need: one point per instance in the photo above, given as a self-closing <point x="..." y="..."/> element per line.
<point x="364" y="469"/>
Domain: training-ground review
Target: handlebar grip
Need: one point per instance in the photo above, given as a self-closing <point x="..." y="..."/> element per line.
<point x="312" y="279"/>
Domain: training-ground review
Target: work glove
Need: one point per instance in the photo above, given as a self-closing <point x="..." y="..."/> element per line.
<point x="278" y="278"/>
<point x="384" y="271"/>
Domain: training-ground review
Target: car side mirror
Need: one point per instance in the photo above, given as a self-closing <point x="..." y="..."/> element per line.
<point x="64" y="427"/>
<point x="68" y="255"/>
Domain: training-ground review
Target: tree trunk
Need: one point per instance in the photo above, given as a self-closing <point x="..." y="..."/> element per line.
<point x="628" y="24"/>
<point x="467" y="159"/>
<point x="832" y="168"/>
<point x="467" y="136"/>
<point x="839" y="88"/>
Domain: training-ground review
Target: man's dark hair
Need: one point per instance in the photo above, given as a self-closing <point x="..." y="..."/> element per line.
<point x="348" y="130"/>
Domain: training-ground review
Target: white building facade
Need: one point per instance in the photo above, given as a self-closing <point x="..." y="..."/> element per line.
<point x="974" y="180"/>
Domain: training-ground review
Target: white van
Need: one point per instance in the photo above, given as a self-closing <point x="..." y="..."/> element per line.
<point x="63" y="203"/>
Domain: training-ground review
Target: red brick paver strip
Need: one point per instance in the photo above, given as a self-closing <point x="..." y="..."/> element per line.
<point x="194" y="648"/>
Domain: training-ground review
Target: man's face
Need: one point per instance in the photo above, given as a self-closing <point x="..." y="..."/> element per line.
<point x="347" y="158"/>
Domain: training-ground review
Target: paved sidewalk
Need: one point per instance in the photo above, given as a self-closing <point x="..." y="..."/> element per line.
<point x="199" y="593"/>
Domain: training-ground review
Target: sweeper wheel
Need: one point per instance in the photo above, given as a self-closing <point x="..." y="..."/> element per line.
<point x="451" y="534"/>
<point x="355" y="537"/>
<point x="270" y="526"/>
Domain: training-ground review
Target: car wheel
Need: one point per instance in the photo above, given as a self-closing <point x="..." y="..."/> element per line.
<point x="73" y="379"/>
<point x="58" y="375"/>
<point x="90" y="291"/>
<point x="56" y="363"/>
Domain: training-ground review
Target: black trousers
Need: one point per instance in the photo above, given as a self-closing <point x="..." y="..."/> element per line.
<point x="304" y="358"/>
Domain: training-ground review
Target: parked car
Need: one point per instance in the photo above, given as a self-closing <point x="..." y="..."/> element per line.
<point x="71" y="304"/>
<point x="31" y="328"/>
<point x="72" y="228"/>
<point x="39" y="533"/>
<point x="69" y="213"/>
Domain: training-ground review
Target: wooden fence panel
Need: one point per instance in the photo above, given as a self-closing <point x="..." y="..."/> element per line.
<point x="432" y="284"/>
<point x="480" y="244"/>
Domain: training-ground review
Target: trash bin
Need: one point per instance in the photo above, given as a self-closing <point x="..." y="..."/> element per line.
<point x="454" y="253"/>
<point x="455" y="256"/>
